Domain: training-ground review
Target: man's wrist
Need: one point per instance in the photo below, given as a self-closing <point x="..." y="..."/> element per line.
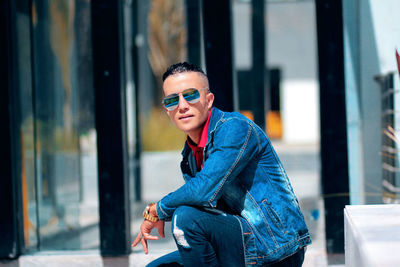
<point x="150" y="213"/>
<point x="153" y="210"/>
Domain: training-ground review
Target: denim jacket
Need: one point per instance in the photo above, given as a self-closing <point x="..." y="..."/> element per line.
<point x="242" y="175"/>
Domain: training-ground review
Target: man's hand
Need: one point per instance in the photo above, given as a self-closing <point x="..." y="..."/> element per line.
<point x="145" y="230"/>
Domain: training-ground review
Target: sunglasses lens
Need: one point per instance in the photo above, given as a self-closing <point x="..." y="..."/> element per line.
<point x="171" y="103"/>
<point x="191" y="95"/>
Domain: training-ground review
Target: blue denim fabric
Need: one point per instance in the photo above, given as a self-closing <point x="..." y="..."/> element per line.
<point x="207" y="237"/>
<point x="243" y="176"/>
<point x="172" y="259"/>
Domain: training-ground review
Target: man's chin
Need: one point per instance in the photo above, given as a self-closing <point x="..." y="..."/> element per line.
<point x="187" y="128"/>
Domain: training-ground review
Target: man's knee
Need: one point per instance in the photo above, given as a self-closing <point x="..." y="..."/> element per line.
<point x="183" y="222"/>
<point x="185" y="213"/>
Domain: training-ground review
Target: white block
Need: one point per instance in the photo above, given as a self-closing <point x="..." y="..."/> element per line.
<point x="372" y="235"/>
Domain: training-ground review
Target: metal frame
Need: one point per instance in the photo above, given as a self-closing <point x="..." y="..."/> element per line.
<point x="10" y="190"/>
<point x="193" y="12"/>
<point x="110" y="113"/>
<point x="137" y="171"/>
<point x="260" y="104"/>
<point x="217" y="17"/>
<point x="334" y="159"/>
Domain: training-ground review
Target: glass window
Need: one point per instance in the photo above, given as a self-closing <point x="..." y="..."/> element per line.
<point x="58" y="137"/>
<point x="26" y="124"/>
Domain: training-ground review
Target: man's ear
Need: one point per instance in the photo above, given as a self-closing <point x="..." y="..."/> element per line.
<point x="210" y="99"/>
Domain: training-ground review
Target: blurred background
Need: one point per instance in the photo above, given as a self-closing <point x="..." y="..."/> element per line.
<point x="87" y="144"/>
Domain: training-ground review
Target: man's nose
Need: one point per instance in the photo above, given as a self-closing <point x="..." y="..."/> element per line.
<point x="183" y="104"/>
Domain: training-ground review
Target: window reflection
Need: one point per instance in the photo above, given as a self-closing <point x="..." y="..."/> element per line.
<point x="26" y="125"/>
<point x="58" y="137"/>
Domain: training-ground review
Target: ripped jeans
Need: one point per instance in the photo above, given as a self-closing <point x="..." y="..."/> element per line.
<point x="204" y="238"/>
<point x="209" y="237"/>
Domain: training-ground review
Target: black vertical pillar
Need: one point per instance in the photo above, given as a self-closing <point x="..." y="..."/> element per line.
<point x="274" y="77"/>
<point x="218" y="52"/>
<point x="109" y="89"/>
<point x="193" y="9"/>
<point x="138" y="148"/>
<point x="259" y="73"/>
<point x="334" y="170"/>
<point x="9" y="186"/>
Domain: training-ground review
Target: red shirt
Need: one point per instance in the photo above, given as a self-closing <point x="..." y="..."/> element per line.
<point x="198" y="148"/>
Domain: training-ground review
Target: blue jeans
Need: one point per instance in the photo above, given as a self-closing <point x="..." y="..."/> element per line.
<point x="210" y="238"/>
<point x="204" y="238"/>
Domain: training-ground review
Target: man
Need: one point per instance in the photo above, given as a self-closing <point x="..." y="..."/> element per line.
<point x="237" y="206"/>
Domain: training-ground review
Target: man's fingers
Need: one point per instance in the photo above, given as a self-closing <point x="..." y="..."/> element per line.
<point x="150" y="237"/>
<point x="145" y="235"/>
<point x="161" y="230"/>
<point x="137" y="240"/>
<point x="144" y="244"/>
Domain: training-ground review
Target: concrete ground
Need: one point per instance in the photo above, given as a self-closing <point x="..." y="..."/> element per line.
<point x="301" y="164"/>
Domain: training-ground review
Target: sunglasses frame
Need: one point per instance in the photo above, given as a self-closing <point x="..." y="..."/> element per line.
<point x="178" y="94"/>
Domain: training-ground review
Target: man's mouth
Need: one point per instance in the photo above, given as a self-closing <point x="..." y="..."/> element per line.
<point x="185" y="117"/>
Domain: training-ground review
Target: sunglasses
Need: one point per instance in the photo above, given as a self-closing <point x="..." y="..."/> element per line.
<point x="191" y="95"/>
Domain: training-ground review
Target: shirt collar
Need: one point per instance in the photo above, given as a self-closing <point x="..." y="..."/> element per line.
<point x="203" y="137"/>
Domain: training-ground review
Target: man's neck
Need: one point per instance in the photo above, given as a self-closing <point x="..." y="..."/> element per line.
<point x="195" y="135"/>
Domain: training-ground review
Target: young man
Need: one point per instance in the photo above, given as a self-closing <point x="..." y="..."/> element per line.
<point x="237" y="206"/>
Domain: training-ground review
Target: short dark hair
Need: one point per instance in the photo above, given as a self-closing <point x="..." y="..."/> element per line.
<point x="180" y="68"/>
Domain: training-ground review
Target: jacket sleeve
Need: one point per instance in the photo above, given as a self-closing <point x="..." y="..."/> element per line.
<point x="235" y="143"/>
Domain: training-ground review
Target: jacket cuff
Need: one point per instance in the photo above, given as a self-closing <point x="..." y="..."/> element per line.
<point x="161" y="213"/>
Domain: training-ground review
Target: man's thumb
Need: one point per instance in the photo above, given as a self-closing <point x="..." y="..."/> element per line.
<point x="161" y="230"/>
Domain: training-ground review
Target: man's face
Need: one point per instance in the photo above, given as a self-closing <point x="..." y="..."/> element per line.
<point x="189" y="118"/>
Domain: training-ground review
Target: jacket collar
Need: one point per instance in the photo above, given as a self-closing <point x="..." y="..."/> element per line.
<point x="216" y="116"/>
